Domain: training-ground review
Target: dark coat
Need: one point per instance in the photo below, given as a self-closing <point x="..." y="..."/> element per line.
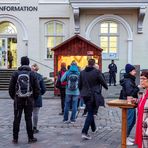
<point x="33" y="81"/>
<point x="129" y="87"/>
<point x="112" y="68"/>
<point x="90" y="83"/>
<point x="38" y="101"/>
<point x="61" y="85"/>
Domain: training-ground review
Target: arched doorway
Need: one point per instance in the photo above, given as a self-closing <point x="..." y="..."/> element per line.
<point x="8" y="45"/>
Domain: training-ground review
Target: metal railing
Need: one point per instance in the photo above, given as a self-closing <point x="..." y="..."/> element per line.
<point x="41" y="63"/>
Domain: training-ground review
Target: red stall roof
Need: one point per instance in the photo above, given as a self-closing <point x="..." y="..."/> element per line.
<point x="76" y="45"/>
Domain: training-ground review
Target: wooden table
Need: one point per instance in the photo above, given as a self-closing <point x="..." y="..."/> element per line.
<point x="124" y="105"/>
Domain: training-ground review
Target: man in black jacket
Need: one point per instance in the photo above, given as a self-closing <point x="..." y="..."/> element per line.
<point x="22" y="102"/>
<point x="112" y="72"/>
<point x="90" y="83"/>
<point x="129" y="89"/>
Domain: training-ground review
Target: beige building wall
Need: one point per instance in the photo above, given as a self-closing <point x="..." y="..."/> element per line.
<point x="139" y="40"/>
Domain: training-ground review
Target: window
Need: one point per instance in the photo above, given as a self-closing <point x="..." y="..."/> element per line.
<point x="109" y="39"/>
<point x="7" y="28"/>
<point x="54" y="36"/>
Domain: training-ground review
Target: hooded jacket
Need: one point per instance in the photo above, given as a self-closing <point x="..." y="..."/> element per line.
<point x="73" y="69"/>
<point x="129" y="87"/>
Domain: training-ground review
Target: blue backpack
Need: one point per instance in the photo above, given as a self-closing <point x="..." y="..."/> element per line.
<point x="72" y="81"/>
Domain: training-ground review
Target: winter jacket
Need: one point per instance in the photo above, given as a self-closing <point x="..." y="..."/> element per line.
<point x="38" y="101"/>
<point x="60" y="74"/>
<point x="129" y="87"/>
<point x="33" y="81"/>
<point x="91" y="78"/>
<point x="73" y="69"/>
<point x="112" y="68"/>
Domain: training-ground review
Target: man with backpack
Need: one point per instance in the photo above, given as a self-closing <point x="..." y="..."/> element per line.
<point x="23" y="88"/>
<point x="72" y="92"/>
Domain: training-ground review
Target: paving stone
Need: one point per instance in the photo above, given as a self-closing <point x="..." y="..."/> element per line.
<point x="55" y="134"/>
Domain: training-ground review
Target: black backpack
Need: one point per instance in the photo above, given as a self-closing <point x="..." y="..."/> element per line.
<point x="23" y="85"/>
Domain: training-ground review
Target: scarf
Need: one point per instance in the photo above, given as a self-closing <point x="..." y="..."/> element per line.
<point x="138" y="135"/>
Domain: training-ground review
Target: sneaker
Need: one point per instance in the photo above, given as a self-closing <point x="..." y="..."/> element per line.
<point x="65" y="121"/>
<point x="96" y="130"/>
<point x="72" y="122"/>
<point x="82" y="107"/>
<point x="84" y="114"/>
<point x="131" y="139"/>
<point x="128" y="142"/>
<point x="35" y="131"/>
<point x="86" y="136"/>
<point x="32" y="140"/>
<point x="95" y="115"/>
<point x="15" y="141"/>
<point x="61" y="113"/>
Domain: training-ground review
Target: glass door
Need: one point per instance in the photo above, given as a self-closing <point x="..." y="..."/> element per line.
<point x="12" y="52"/>
<point x="3" y="52"/>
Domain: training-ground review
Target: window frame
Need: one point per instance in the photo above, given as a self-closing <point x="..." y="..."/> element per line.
<point x="106" y="56"/>
<point x="54" y="35"/>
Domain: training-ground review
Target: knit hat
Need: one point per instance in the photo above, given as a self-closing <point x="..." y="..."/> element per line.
<point x="63" y="65"/>
<point x="129" y="68"/>
<point x="25" y="60"/>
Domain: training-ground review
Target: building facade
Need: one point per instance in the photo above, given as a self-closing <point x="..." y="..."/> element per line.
<point x="34" y="27"/>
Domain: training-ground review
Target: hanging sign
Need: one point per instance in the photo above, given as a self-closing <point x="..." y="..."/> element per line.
<point x="90" y="52"/>
<point x="18" y="8"/>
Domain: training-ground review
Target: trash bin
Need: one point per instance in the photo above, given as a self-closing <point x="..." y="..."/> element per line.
<point x="122" y="72"/>
<point x="106" y="76"/>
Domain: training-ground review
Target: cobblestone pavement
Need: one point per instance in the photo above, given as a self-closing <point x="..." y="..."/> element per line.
<point x="55" y="134"/>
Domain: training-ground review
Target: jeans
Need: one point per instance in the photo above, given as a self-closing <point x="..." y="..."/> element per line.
<point x="35" y="116"/>
<point x="81" y="103"/>
<point x="131" y="120"/>
<point x="89" y="121"/>
<point x="74" y="99"/>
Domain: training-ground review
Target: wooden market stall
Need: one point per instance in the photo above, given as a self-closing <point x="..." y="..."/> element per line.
<point x="78" y="49"/>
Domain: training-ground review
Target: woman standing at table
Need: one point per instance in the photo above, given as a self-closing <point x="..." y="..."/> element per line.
<point x="141" y="138"/>
<point x="129" y="91"/>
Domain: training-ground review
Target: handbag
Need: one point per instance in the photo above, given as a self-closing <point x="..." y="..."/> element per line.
<point x="58" y="83"/>
<point x="99" y="99"/>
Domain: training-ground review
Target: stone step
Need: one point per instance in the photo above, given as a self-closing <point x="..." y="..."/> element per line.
<point x="5" y="75"/>
<point x="4" y="79"/>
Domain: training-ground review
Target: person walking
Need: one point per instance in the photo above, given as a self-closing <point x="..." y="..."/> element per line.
<point x="141" y="135"/>
<point x="37" y="101"/>
<point x="23" y="88"/>
<point x="129" y="90"/>
<point x="112" y="73"/>
<point x="72" y="92"/>
<point x="89" y="84"/>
